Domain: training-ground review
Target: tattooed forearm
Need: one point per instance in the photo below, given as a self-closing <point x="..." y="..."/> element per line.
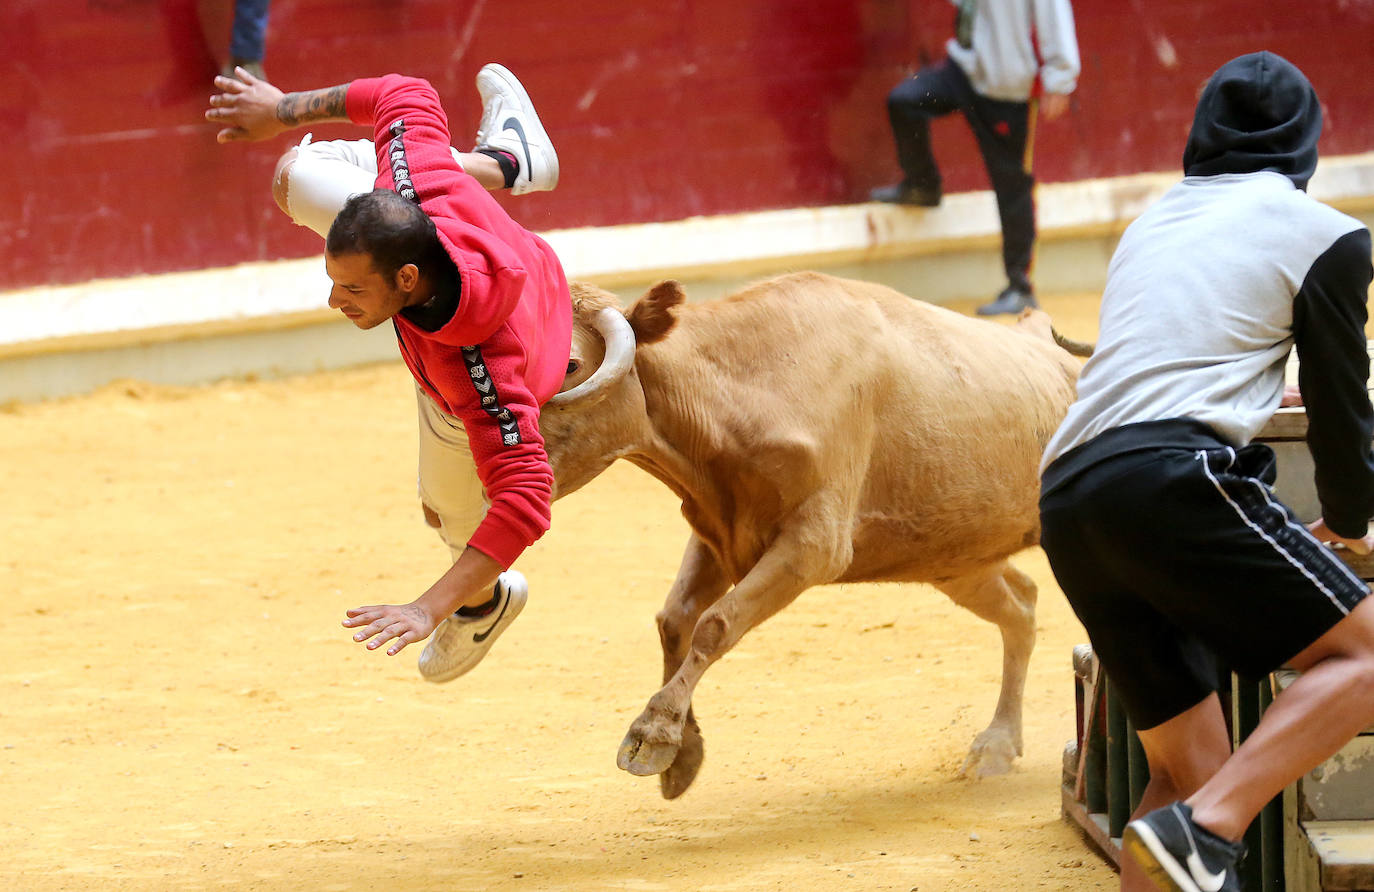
<point x="313" y="105"/>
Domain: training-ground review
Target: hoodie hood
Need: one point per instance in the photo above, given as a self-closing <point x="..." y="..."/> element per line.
<point x="1258" y="112"/>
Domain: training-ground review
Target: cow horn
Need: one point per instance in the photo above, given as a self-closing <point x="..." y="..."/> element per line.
<point x="619" y="338"/>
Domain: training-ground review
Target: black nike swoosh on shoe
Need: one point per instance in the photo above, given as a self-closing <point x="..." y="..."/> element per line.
<point x="479" y="637"/>
<point x="514" y="124"/>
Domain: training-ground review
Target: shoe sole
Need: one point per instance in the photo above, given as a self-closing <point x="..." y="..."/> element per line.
<point x="1154" y="859"/>
<point x="513" y="608"/>
<point x="909" y="199"/>
<point x="539" y="140"/>
<point x="984" y="311"/>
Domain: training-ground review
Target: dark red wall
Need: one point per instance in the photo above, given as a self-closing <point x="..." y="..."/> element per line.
<point x="659" y="110"/>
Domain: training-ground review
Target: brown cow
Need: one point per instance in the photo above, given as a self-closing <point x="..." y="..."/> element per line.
<point x="817" y="430"/>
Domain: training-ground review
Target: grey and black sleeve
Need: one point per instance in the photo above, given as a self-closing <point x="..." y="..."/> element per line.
<point x="1329" y="316"/>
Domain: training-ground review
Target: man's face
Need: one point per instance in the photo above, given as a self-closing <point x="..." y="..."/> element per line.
<point x="361" y="293"/>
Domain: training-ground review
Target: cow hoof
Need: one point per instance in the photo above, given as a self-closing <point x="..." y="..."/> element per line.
<point x="679" y="776"/>
<point x="643" y="758"/>
<point x="992" y="753"/>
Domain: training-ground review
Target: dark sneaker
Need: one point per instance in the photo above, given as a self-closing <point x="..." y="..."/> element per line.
<point x="1177" y="854"/>
<point x="901" y="193"/>
<point x="460" y="642"/>
<point x="1011" y="300"/>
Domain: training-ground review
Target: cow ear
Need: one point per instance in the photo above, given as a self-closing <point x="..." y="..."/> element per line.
<point x="652" y="317"/>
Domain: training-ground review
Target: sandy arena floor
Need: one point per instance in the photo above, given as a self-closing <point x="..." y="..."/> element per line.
<point x="182" y="709"/>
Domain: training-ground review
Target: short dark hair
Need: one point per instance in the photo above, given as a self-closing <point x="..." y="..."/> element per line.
<point x="390" y="229"/>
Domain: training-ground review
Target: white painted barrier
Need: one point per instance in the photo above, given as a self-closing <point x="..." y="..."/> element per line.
<point x="136" y="327"/>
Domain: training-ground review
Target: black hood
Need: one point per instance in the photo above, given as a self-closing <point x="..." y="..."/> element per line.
<point x="1258" y="112"/>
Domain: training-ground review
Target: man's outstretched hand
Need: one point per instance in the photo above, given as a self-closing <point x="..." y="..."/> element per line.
<point x="401" y="624"/>
<point x="246" y="106"/>
<point x="468" y="581"/>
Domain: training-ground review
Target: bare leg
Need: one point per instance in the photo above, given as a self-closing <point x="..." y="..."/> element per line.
<point x="1183" y="754"/>
<point x="483" y="169"/>
<point x="1331" y="702"/>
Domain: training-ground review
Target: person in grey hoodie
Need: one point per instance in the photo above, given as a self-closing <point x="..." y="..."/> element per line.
<point x="1156" y="509"/>
<point x="991" y="73"/>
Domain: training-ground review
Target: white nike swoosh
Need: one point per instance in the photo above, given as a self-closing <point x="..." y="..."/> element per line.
<point x="1205" y="879"/>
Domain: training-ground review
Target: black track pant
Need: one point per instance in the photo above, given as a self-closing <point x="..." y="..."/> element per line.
<point x="1003" y="133"/>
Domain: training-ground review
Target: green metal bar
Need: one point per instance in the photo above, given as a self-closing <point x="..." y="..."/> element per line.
<point x="1244" y="718"/>
<point x="1245" y="708"/>
<point x="1137" y="766"/>
<point x="1263" y="869"/>
<point x="1271" y="821"/>
<point x="1271" y="846"/>
<point x="1095" y="762"/>
<point x="1118" y="772"/>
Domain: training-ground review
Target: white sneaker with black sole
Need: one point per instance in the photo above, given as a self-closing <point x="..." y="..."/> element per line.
<point x="1178" y="854"/>
<point x="509" y="124"/>
<point x="460" y="642"/>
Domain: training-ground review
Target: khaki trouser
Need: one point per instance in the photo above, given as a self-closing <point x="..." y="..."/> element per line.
<point x="326" y="174"/>
<point x="448" y="476"/>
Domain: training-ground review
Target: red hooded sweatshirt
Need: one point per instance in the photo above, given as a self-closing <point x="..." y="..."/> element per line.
<point x="504" y="352"/>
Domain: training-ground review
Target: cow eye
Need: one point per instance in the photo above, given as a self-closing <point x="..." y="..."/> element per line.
<point x="573" y="365"/>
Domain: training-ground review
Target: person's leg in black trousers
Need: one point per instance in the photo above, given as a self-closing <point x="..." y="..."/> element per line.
<point x="1003" y="133"/>
<point x="933" y="91"/>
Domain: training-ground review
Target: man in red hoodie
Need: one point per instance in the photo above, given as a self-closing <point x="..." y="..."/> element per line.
<point x="481" y="311"/>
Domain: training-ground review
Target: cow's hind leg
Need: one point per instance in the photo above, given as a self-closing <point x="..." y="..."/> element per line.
<point x="700" y="583"/>
<point x="794" y="563"/>
<point x="1003" y="595"/>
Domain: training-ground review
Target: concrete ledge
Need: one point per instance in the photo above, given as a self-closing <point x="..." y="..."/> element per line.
<point x="940" y="254"/>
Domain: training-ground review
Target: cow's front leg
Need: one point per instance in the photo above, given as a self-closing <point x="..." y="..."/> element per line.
<point x="700" y="582"/>
<point x="793" y="564"/>
<point x="1005" y="596"/>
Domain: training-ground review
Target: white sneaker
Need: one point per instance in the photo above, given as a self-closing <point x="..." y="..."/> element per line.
<point x="509" y="124"/>
<point x="460" y="642"/>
